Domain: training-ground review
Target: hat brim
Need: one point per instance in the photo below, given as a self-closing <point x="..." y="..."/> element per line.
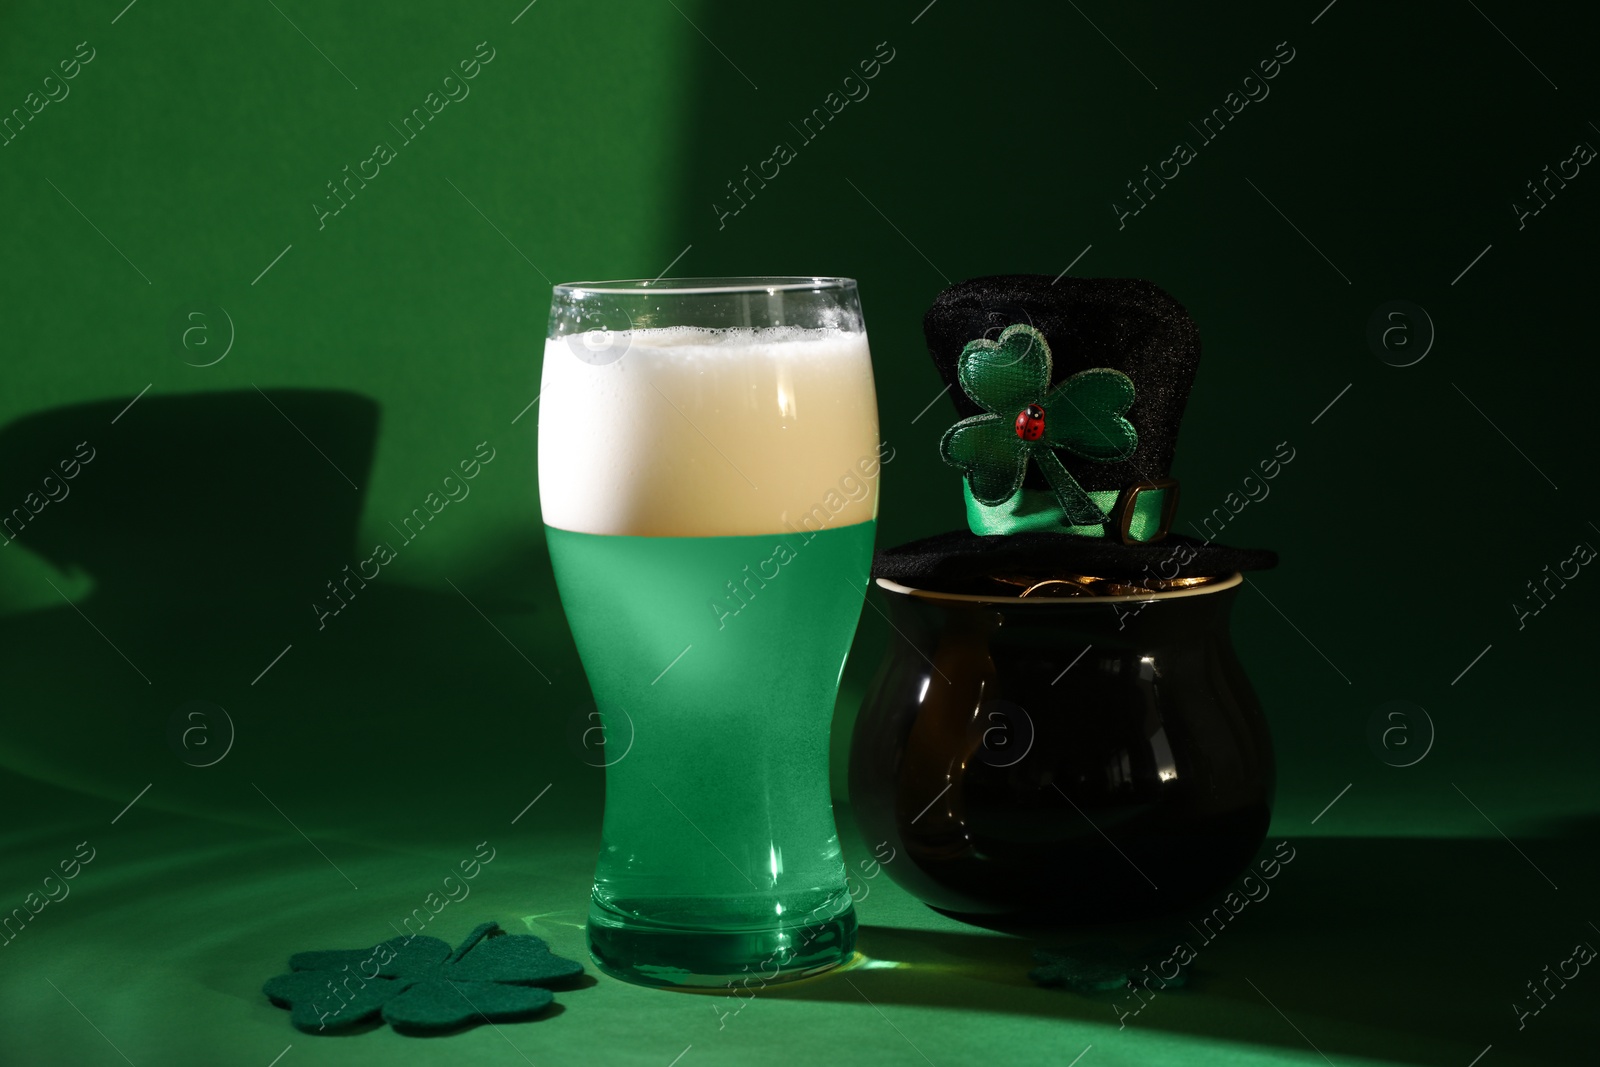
<point x="961" y="556"/>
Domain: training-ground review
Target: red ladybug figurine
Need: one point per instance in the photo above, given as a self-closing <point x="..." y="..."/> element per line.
<point x="1030" y="423"/>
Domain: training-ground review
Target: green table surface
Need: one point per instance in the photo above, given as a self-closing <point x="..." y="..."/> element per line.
<point x="1402" y="949"/>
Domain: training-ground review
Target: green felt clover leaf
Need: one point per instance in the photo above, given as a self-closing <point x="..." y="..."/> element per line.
<point x="986" y="447"/>
<point x="418" y="985"/>
<point x="1006" y="375"/>
<point x="1097" y="399"/>
<point x="1084" y="415"/>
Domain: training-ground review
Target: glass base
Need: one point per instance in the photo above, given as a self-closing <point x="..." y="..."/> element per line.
<point x="659" y="952"/>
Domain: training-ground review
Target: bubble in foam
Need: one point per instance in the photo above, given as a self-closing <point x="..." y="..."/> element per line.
<point x="735" y="337"/>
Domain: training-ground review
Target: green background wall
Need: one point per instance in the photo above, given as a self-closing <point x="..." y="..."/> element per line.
<point x="600" y="137"/>
<point x="596" y="144"/>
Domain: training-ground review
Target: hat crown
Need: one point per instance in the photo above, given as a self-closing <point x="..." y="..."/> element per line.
<point x="1124" y="324"/>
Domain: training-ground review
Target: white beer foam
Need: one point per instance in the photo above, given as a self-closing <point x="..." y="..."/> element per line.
<point x="706" y="433"/>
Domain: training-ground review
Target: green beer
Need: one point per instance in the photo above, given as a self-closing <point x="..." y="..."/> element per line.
<point x="709" y="488"/>
<point x="719" y="840"/>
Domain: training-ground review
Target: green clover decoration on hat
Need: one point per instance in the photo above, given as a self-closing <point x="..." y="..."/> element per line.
<point x="1028" y="419"/>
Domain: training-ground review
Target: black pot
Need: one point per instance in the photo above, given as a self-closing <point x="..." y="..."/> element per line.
<point x="1062" y="761"/>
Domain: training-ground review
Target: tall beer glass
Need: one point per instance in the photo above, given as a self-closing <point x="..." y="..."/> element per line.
<point x="708" y="462"/>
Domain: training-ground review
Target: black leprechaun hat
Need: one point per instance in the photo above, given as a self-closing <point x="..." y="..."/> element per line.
<point x="1071" y="393"/>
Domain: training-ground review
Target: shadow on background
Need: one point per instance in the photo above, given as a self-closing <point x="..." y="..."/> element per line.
<point x="998" y="138"/>
<point x="1383" y="948"/>
<point x="204" y="546"/>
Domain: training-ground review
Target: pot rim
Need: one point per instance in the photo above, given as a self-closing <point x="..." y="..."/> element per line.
<point x="888" y="585"/>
